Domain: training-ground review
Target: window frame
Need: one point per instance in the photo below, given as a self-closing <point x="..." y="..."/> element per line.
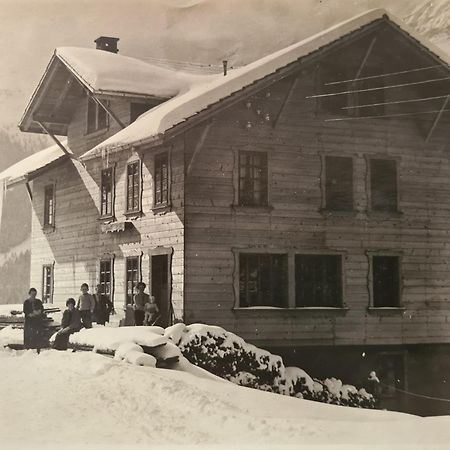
<point x="341" y="275"/>
<point x="138" y="209"/>
<point x="49" y="210"/>
<point x="370" y="280"/>
<point x="239" y="200"/>
<point x="323" y="183"/>
<point x="250" y="252"/>
<point x="96" y="128"/>
<point x="157" y="206"/>
<point x="107" y="215"/>
<point x="369" y="190"/>
<point x="138" y="259"/>
<point x="47" y="297"/>
<point x="110" y="260"/>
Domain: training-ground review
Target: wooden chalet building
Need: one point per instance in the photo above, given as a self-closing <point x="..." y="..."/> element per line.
<point x="301" y="201"/>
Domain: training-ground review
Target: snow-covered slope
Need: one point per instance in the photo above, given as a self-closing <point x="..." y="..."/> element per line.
<point x="74" y="399"/>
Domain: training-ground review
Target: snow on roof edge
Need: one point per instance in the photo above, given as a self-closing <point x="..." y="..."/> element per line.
<point x="19" y="171"/>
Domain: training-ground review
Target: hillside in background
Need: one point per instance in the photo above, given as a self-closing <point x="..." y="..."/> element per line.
<point x="240" y="31"/>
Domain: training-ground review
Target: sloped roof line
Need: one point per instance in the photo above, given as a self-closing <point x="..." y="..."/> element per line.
<point x="152" y="126"/>
<point x="24" y="169"/>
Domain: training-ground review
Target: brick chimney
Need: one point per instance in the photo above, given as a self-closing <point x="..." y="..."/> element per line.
<point x="109" y="44"/>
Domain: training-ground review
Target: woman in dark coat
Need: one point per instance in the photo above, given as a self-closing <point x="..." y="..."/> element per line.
<point x="104" y="306"/>
<point x="34" y="322"/>
<point x="70" y="323"/>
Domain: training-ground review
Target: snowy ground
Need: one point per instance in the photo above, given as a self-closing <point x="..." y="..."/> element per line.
<point x="68" y="400"/>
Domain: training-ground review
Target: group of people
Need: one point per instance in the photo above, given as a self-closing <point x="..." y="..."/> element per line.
<point x="89" y="308"/>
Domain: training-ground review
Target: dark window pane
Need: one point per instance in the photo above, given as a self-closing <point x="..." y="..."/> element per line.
<point x="47" y="283"/>
<point x="383" y="183"/>
<point x="49" y="205"/>
<point x="339" y="183"/>
<point x="386" y="281"/>
<point x="132" y="269"/>
<point x="318" y="280"/>
<point x="133" y="186"/>
<point x="105" y="279"/>
<point x="161" y="179"/>
<point x="252" y="178"/>
<point x="107" y="189"/>
<point x="263" y="280"/>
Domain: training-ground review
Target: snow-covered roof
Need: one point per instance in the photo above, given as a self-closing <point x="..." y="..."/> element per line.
<point x="23" y="169"/>
<point x="153" y="124"/>
<point x="104" y="72"/>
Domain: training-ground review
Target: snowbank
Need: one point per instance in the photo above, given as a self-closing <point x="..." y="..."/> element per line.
<point x="93" y="401"/>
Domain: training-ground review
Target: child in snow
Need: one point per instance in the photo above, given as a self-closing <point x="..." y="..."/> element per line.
<point x="151" y="312"/>
<point x="70" y="323"/>
<point x="139" y="302"/>
<point x="86" y="306"/>
<point x="34" y="317"/>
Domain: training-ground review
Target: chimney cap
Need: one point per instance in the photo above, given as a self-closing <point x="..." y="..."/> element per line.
<point x="107" y="43"/>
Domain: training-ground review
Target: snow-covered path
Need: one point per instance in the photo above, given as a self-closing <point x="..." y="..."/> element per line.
<point x="85" y="398"/>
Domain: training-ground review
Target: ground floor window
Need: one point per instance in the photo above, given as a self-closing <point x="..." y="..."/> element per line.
<point x="47" y="283"/>
<point x="132" y="277"/>
<point x="105" y="280"/>
<point x="386" y="281"/>
<point x="263" y="280"/>
<point x="318" y="280"/>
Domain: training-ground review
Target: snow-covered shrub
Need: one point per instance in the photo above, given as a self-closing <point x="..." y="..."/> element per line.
<point x="228" y="356"/>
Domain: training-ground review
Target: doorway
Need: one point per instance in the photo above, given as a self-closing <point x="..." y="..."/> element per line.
<point x="160" y="287"/>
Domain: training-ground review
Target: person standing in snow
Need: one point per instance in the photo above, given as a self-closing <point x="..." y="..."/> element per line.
<point x="70" y="323"/>
<point x="373" y="386"/>
<point x="139" y="302"/>
<point x="86" y="306"/>
<point x="33" y="310"/>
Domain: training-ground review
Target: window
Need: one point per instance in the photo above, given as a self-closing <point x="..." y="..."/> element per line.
<point x="133" y="186"/>
<point x="318" y="280"/>
<point x="339" y="183"/>
<point x="105" y="280"/>
<point x="383" y="185"/>
<point x="386" y="281"/>
<point x="49" y="206"/>
<point x="161" y="179"/>
<point x="107" y="193"/>
<point x="252" y="178"/>
<point x="97" y="118"/>
<point x="132" y="277"/>
<point x="263" y="280"/>
<point x="47" y="284"/>
<point x="137" y="109"/>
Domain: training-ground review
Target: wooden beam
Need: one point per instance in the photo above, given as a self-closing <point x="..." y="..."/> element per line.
<point x="366" y="57"/>
<point x="285" y="101"/>
<point x="198" y="147"/>
<point x="30" y="193"/>
<point x="107" y="109"/>
<point x="57" y="141"/>
<point x="437" y="118"/>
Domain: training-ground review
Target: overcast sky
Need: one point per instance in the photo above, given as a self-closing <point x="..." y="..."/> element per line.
<point x="194" y="30"/>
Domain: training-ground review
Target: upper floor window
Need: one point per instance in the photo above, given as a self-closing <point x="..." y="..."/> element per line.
<point x="318" y="280"/>
<point x="263" y="280"/>
<point x="383" y="185"/>
<point x="97" y="118"/>
<point x="107" y="193"/>
<point x="253" y="175"/>
<point x="137" y="109"/>
<point x="339" y="183"/>
<point x="133" y="187"/>
<point x="49" y="206"/>
<point x="161" y="179"/>
<point x="385" y="281"/>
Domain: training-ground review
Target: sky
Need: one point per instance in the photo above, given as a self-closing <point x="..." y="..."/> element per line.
<point x="205" y="31"/>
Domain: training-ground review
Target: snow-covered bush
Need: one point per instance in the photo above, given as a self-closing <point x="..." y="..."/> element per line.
<point x="228" y="356"/>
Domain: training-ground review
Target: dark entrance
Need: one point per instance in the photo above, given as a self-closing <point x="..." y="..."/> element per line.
<point x="160" y="287"/>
